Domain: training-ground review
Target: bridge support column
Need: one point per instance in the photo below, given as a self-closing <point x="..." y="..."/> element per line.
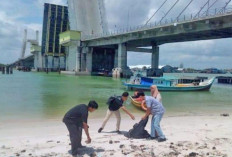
<point x="155" y="57"/>
<point x="83" y="58"/>
<point x="62" y="62"/>
<point x="50" y="62"/>
<point x="122" y="56"/>
<point x="72" y="58"/>
<point x="89" y="58"/>
<point x="116" y="59"/>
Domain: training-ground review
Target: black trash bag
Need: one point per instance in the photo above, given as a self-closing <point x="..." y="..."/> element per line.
<point x="138" y="130"/>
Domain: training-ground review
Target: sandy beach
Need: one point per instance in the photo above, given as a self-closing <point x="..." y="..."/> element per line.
<point x="206" y="135"/>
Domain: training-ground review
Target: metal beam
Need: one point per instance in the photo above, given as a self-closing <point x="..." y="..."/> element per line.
<point x="156" y="12"/>
<point x="168" y="11"/>
<point x="135" y="49"/>
<point x="184" y="9"/>
<point x="198" y="13"/>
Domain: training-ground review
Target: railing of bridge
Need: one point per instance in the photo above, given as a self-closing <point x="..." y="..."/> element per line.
<point x="186" y="18"/>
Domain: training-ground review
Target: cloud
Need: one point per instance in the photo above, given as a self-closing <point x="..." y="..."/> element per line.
<point x="13" y="21"/>
<point x="198" y="54"/>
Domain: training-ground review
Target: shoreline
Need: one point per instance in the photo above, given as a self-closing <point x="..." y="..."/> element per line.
<point x="201" y="135"/>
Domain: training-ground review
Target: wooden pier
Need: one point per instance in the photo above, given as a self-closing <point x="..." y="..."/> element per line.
<point x="224" y="79"/>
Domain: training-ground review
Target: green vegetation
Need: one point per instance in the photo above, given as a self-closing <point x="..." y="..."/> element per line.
<point x="1" y="65"/>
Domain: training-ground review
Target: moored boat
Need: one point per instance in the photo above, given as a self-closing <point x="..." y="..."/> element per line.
<point x="138" y="104"/>
<point x="164" y="84"/>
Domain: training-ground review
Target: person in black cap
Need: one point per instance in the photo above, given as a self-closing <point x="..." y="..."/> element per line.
<point x="116" y="103"/>
<point x="76" y="119"/>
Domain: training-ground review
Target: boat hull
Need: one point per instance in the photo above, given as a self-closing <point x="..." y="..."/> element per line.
<point x="137" y="104"/>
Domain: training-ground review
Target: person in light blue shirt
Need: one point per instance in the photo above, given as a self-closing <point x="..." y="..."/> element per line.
<point x="156" y="109"/>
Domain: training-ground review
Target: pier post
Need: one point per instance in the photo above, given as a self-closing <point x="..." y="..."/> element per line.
<point x="11" y="70"/>
<point x="7" y="70"/>
<point x="122" y="56"/>
<point x="3" y="70"/>
<point x="155" y="57"/>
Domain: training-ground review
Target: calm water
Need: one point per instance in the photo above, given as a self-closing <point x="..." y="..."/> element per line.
<point x="39" y="96"/>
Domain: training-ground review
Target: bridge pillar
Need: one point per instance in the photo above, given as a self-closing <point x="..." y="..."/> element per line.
<point x="116" y="59"/>
<point x="89" y="60"/>
<point x="72" y="57"/>
<point x="122" y="56"/>
<point x="85" y="50"/>
<point x="155" y="57"/>
<point x="50" y="62"/>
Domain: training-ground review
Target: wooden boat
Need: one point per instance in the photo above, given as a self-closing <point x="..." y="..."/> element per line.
<point x="164" y="84"/>
<point x="138" y="104"/>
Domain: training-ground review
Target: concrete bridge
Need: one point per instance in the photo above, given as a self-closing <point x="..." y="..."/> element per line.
<point x="27" y="62"/>
<point x="213" y="24"/>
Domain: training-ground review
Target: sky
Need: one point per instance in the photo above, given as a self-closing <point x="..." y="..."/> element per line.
<point x="16" y="15"/>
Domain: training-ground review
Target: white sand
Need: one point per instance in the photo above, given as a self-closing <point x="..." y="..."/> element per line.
<point x="205" y="135"/>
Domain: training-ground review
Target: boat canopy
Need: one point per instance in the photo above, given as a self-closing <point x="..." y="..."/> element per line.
<point x="146" y="81"/>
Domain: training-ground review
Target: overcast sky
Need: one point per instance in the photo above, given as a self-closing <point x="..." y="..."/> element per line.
<point x="16" y="15"/>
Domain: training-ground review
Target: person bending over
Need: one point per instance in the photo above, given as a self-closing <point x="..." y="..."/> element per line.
<point x="116" y="103"/>
<point x="156" y="109"/>
<point x="76" y="119"/>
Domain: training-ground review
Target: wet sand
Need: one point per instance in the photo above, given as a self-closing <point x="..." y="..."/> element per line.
<point x="201" y="135"/>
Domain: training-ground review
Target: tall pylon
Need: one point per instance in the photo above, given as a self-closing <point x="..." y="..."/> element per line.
<point x="24" y="44"/>
<point x="87" y="16"/>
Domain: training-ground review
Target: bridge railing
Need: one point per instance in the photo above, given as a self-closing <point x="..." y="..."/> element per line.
<point x="174" y="21"/>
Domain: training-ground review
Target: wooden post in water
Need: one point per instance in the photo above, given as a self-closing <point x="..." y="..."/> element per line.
<point x="7" y="70"/>
<point x="11" y="70"/>
<point x="3" y="70"/>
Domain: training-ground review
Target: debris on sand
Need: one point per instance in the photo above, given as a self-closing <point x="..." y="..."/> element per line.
<point x="193" y="154"/>
<point x="49" y="141"/>
<point x="225" y="115"/>
<point x="93" y="154"/>
<point x="23" y="151"/>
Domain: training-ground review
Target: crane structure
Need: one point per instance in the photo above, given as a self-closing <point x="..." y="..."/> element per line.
<point x="24" y="45"/>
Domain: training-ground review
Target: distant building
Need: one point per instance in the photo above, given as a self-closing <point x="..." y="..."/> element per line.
<point x="181" y="66"/>
<point x="55" y="21"/>
<point x="213" y="71"/>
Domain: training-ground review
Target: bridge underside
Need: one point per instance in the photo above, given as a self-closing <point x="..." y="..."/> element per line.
<point x="216" y="27"/>
<point x="183" y="37"/>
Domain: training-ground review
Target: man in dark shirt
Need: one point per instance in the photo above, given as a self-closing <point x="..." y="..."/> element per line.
<point x="113" y="108"/>
<point x="76" y="119"/>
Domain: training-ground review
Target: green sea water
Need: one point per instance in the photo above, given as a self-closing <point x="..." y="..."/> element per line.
<point x="28" y="95"/>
